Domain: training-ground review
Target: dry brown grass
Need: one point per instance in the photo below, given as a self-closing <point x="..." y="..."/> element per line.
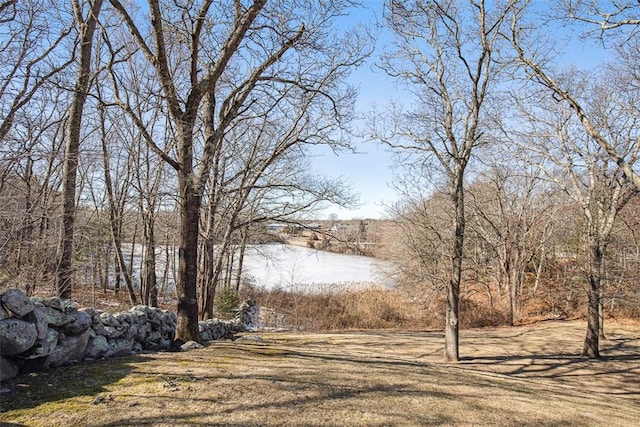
<point x="528" y="375"/>
<point x="368" y="308"/>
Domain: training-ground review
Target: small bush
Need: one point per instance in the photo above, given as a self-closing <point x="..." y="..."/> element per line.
<point x="226" y="302"/>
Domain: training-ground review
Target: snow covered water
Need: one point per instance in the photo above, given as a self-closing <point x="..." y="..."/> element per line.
<point x="295" y="268"/>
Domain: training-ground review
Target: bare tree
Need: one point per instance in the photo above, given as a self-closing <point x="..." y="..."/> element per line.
<point x="214" y="62"/>
<point x="611" y="19"/>
<point x="420" y="245"/>
<point x="264" y="178"/>
<point x="115" y="206"/>
<point x="29" y="175"/>
<point x="86" y="26"/>
<point x="534" y="59"/>
<point x="510" y="212"/>
<point x="578" y="164"/>
<point x="150" y="177"/>
<point x="31" y="54"/>
<point x="446" y="55"/>
<point x="142" y="127"/>
<point x="623" y="263"/>
<point x="184" y="113"/>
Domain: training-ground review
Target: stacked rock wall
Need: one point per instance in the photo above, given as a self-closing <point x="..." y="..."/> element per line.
<point x="38" y="333"/>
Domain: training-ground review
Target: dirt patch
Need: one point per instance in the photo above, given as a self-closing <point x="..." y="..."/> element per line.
<point x="529" y="375"/>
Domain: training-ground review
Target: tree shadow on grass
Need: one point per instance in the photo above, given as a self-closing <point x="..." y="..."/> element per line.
<point x="615" y="374"/>
<point x="334" y="391"/>
<point x="87" y="378"/>
<point x="329" y="394"/>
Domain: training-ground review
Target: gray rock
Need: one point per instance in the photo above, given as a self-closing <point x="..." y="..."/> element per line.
<point x="100" y="329"/>
<point x="216" y="329"/>
<point x="154" y="336"/>
<point x="155" y="318"/>
<point x="168" y="318"/>
<point x="108" y="319"/>
<point x="8" y="368"/>
<point x="69" y="306"/>
<point x="142" y="309"/>
<point x="173" y="316"/>
<point x="44" y="347"/>
<point x="164" y="343"/>
<point x="39" y="317"/>
<point x="120" y="346"/>
<point x="168" y="330"/>
<point x="137" y="332"/>
<point x="16" y="302"/>
<point x="140" y="314"/>
<point x="254" y="338"/>
<point x="97" y="346"/>
<point x="55" y="332"/>
<point x="122" y="318"/>
<point x="55" y="303"/>
<point x="92" y="312"/>
<point x="16" y="336"/>
<point x="150" y="345"/>
<point x="57" y="318"/>
<point x="112" y="332"/>
<point x="81" y="323"/>
<point x="69" y="349"/>
<point x="191" y="345"/>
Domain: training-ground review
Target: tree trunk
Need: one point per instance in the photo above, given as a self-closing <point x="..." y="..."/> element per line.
<point x="243" y="247"/>
<point x="115" y="216"/>
<point x="508" y="287"/>
<point x="187" y="326"/>
<point x="206" y="283"/>
<point x="150" y="279"/>
<point x="591" y="347"/>
<point x="538" y="273"/>
<point x="230" y="260"/>
<point x="107" y="270"/>
<point x="72" y="148"/>
<point x="216" y="274"/>
<point x="601" y="312"/>
<point x="514" y="279"/>
<point x="452" y="326"/>
<point x="117" y="274"/>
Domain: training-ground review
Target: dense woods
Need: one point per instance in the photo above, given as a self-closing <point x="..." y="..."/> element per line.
<point x="183" y="129"/>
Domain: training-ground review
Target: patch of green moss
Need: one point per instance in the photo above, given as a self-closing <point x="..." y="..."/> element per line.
<point x="65" y="384"/>
<point x="47" y="410"/>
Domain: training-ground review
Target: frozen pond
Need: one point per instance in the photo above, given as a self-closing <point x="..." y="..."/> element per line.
<point x="296" y="268"/>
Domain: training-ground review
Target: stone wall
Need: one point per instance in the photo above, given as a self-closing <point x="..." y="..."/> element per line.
<point x="39" y="333"/>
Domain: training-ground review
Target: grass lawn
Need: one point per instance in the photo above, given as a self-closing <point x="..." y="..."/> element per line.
<point x="526" y="376"/>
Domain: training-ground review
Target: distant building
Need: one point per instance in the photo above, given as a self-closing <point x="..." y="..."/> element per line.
<point x="349" y="227"/>
<point x="276" y="226"/>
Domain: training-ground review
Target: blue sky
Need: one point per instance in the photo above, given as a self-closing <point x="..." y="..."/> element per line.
<point x="368" y="171"/>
